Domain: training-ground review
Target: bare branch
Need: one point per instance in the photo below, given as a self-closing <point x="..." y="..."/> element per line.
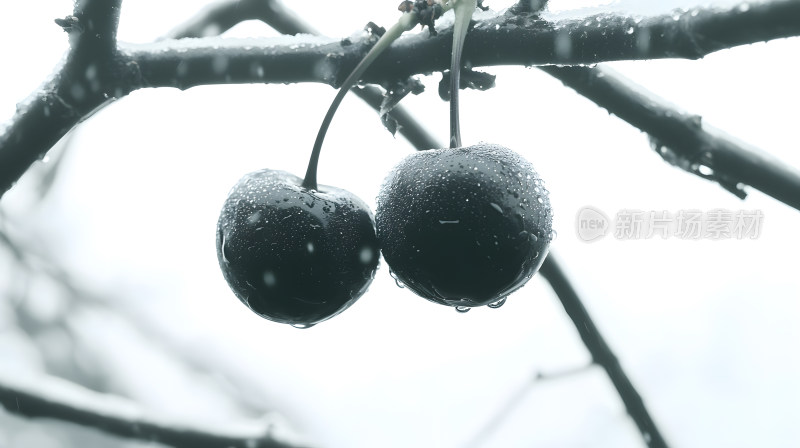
<point x="88" y="79"/>
<point x="516" y="398"/>
<point x="600" y="351"/>
<point x="93" y="27"/>
<point x="84" y="84"/>
<point x="507" y="39"/>
<point x="225" y="14"/>
<point x="50" y="397"/>
<point x="684" y="140"/>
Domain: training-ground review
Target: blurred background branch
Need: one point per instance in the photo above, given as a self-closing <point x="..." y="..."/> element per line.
<point x="43" y="397"/>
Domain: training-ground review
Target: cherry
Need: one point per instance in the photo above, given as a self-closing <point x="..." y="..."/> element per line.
<point x="293" y="251"/>
<point x="464" y="226"/>
<point x="295" y="255"/>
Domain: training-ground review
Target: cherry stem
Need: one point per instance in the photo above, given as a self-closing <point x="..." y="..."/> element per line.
<point x="406" y="22"/>
<point x="463" y="12"/>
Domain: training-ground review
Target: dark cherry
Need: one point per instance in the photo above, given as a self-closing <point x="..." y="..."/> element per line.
<point x="464" y="226"/>
<point x="295" y="255"/>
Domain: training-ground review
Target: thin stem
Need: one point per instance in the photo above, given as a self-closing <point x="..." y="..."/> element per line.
<point x="463" y="12"/>
<point x="406" y="22"/>
<point x="601" y="352"/>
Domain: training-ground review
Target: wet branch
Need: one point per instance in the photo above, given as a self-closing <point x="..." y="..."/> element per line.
<point x="602" y="354"/>
<point x="49" y="397"/>
<point x="683" y="139"/>
<point x="223" y="15"/>
<point x="505" y="39"/>
<point x="90" y="77"/>
<point x="96" y="72"/>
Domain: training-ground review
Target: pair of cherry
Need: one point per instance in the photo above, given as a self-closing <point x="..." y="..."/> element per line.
<point x="462" y="226"/>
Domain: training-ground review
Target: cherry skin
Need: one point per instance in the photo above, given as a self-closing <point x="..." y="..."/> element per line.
<point x="295" y="255"/>
<point x="464" y="226"/>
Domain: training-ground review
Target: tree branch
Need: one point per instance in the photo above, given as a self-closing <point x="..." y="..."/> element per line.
<point x="225" y="14"/>
<point x="684" y="140"/>
<point x="88" y="79"/>
<point x="506" y="39"/>
<point x="53" y="398"/>
<point x="83" y="84"/>
<point x="600" y="351"/>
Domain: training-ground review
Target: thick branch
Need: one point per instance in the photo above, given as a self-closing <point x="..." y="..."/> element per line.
<point x="57" y="399"/>
<point x="93" y="27"/>
<point x="600" y="351"/>
<point x="88" y="79"/>
<point x="84" y="84"/>
<point x="684" y="140"/>
<point x="507" y="39"/>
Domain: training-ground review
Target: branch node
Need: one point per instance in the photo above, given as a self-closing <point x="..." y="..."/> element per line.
<point x="70" y="24"/>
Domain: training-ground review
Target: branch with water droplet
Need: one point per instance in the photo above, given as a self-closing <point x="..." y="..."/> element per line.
<point x="683" y="139"/>
<point x="504" y="39"/>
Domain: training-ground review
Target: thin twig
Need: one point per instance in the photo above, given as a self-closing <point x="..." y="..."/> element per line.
<point x="683" y="139"/>
<point x="600" y="351"/>
<point x="515" y="399"/>
<point x="57" y="399"/>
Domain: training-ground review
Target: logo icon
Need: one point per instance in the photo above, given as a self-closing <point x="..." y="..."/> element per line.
<point x="591" y="224"/>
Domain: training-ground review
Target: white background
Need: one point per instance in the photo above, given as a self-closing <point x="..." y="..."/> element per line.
<point x="706" y="329"/>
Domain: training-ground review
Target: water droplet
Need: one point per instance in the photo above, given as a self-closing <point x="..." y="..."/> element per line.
<point x="269" y="279"/>
<point x="396" y="280"/>
<point x="222" y="245"/>
<point x="497" y="304"/>
<point x="365" y="255"/>
<point x="456" y="221"/>
<point x="497" y="207"/>
<point x="302" y="326"/>
<point x="254" y="218"/>
<point x="219" y="64"/>
<point x="462" y="309"/>
<point x="744" y="7"/>
<point x="629" y="30"/>
<point x="310" y="247"/>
